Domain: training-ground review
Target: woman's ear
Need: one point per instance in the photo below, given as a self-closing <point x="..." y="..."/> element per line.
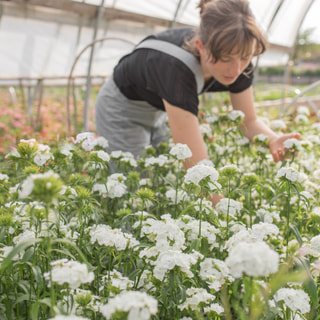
<point x="199" y="46"/>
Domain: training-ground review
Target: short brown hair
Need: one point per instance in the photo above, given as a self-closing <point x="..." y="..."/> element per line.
<point x="226" y="26"/>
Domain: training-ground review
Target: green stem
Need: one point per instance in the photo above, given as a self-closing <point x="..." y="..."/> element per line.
<point x="288" y="218"/>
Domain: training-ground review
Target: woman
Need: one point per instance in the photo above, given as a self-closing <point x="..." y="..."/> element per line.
<point x="162" y="78"/>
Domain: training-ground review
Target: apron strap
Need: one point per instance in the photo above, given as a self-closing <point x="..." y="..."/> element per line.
<point x="183" y="55"/>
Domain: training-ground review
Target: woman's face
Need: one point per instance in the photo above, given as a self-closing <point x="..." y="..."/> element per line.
<point x="226" y="70"/>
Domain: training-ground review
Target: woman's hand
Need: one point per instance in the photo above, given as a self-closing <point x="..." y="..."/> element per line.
<point x="277" y="148"/>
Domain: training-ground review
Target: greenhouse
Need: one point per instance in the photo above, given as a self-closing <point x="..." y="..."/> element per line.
<point x="155" y="166"/>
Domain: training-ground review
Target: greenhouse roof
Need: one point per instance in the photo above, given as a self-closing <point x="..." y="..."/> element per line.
<point x="50" y="39"/>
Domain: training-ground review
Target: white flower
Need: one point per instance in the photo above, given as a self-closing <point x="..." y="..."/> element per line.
<point x="205" y="129"/>
<point x="115" y="188"/>
<point x="243" y="141"/>
<point x="71" y="272"/>
<point x="230" y="206"/>
<point x="253" y="259"/>
<point x="83" y="136"/>
<point x="13" y="153"/>
<point x="88" y="141"/>
<point x="235" y="114"/>
<point x="315" y="245"/>
<point x="199" y="172"/>
<point x="204" y="205"/>
<point x="4" y="177"/>
<point x="206" y="162"/>
<point x="261" y="230"/>
<point x="316" y="125"/>
<point x="177" y="196"/>
<point x="169" y="259"/>
<point x="117" y="280"/>
<point x="181" y="151"/>
<point x="104" y="156"/>
<point x="261" y="137"/>
<point x="165" y="233"/>
<point x="212" y="118"/>
<point x="265" y="120"/>
<point x="26" y="188"/>
<point x="268" y="215"/>
<point x="42" y="157"/>
<point x="27" y="235"/>
<point x="195" y="297"/>
<point x="138" y="305"/>
<point x="292" y="144"/>
<point x="161" y="161"/>
<point x="215" y="307"/>
<point x="303" y="110"/>
<point x="106" y="236"/>
<point x="101" y="189"/>
<point x="70" y="317"/>
<point x="301" y="118"/>
<point x="277" y="124"/>
<point x="101" y="142"/>
<point x="288" y="173"/>
<point x="191" y="228"/>
<point x="215" y="272"/>
<point x="66" y="150"/>
<point x="294" y="299"/>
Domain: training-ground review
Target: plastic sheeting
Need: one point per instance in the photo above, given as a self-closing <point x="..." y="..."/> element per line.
<point x="38" y="42"/>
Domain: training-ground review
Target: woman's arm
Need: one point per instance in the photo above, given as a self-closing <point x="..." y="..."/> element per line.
<point x="184" y="127"/>
<point x="252" y="126"/>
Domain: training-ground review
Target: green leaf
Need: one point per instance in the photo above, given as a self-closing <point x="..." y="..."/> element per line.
<point x="296" y="233"/>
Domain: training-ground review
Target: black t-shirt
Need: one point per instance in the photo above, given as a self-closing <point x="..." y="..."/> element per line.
<point x="150" y="75"/>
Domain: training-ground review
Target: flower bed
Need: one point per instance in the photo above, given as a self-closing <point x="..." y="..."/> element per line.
<point x="86" y="234"/>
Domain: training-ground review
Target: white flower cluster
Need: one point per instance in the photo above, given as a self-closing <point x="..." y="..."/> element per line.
<point x="69" y="317"/>
<point x="196" y="296"/>
<point x="42" y="158"/>
<point x="293" y="144"/>
<point x="191" y="227"/>
<point x="258" y="232"/>
<point x="261" y="137"/>
<point x="214" y="272"/>
<point x="4" y="177"/>
<point x="229" y="206"/>
<point x="177" y="196"/>
<point x="295" y="299"/>
<point x="205" y="129"/>
<point x="253" y="259"/>
<point x="117" y="280"/>
<point x="288" y="173"/>
<point x="89" y="140"/>
<point x="138" y="305"/>
<point x="114" y="188"/>
<point x="169" y="259"/>
<point x="165" y="233"/>
<point x="277" y="124"/>
<point x="106" y="236"/>
<point x="199" y="172"/>
<point x="267" y="214"/>
<point x="71" y="272"/>
<point x="102" y="155"/>
<point x="235" y="115"/>
<point x="181" y="151"/>
<point x="161" y="161"/>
